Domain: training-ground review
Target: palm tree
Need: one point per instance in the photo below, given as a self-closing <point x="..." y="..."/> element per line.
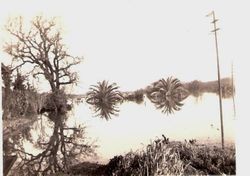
<point x="166" y="94"/>
<point x="104" y="98"/>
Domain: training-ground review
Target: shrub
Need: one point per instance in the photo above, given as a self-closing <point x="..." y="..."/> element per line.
<point x="21" y="103"/>
<point x="18" y="83"/>
<point x="136" y="96"/>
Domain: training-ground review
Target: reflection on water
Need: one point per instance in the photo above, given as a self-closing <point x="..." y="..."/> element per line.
<point x="137" y="124"/>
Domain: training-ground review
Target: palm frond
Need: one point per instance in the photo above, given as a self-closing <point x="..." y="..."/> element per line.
<point x="166" y="94"/>
<point x="104" y="98"/>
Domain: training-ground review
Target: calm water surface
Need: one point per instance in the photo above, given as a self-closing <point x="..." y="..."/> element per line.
<point x="137" y="124"/>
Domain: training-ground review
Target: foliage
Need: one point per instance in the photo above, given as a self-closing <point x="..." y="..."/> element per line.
<point x="19" y="99"/>
<point x="18" y="83"/>
<point x="20" y="103"/>
<point x="41" y="46"/>
<point x="197" y="88"/>
<point x="104" y="98"/>
<point x="194" y="88"/>
<point x="6" y="76"/>
<point x="14" y="132"/>
<point x="166" y="94"/>
<point x="65" y="147"/>
<point x="54" y="103"/>
<point x="136" y="96"/>
<point x="162" y="157"/>
<point x="6" y="73"/>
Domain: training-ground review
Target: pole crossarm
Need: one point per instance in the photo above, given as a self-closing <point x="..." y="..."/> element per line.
<point x="215" y="30"/>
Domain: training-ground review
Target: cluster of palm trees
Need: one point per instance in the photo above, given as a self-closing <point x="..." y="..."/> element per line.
<point x="166" y="94"/>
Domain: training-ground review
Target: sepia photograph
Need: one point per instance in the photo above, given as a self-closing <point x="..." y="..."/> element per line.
<point x="122" y="88"/>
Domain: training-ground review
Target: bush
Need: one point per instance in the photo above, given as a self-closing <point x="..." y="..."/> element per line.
<point x="21" y="103"/>
<point x="136" y="96"/>
<point x="18" y="83"/>
<point x="194" y="88"/>
<point x="6" y="76"/>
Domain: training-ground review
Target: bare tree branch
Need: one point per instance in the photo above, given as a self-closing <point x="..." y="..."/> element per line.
<point x="42" y="46"/>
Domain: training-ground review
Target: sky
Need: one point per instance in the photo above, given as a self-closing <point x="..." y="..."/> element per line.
<point x="136" y="42"/>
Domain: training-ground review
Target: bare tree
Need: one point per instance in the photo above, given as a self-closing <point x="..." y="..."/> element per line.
<point x="41" y="45"/>
<point x="66" y="147"/>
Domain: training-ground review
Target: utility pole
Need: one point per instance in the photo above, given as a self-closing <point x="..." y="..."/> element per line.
<point x="233" y="90"/>
<point x="218" y="71"/>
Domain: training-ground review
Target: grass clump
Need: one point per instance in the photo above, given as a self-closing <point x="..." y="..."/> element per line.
<point x="162" y="157"/>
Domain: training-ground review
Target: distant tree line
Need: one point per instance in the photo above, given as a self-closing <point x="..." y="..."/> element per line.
<point x="197" y="88"/>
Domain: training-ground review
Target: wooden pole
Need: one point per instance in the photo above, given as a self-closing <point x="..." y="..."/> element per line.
<point x="233" y="91"/>
<point x="218" y="73"/>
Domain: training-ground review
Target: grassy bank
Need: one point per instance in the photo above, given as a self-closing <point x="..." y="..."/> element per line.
<point x="164" y="157"/>
<point x="175" y="158"/>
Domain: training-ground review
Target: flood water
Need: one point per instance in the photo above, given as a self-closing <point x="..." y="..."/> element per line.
<point x="137" y="124"/>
